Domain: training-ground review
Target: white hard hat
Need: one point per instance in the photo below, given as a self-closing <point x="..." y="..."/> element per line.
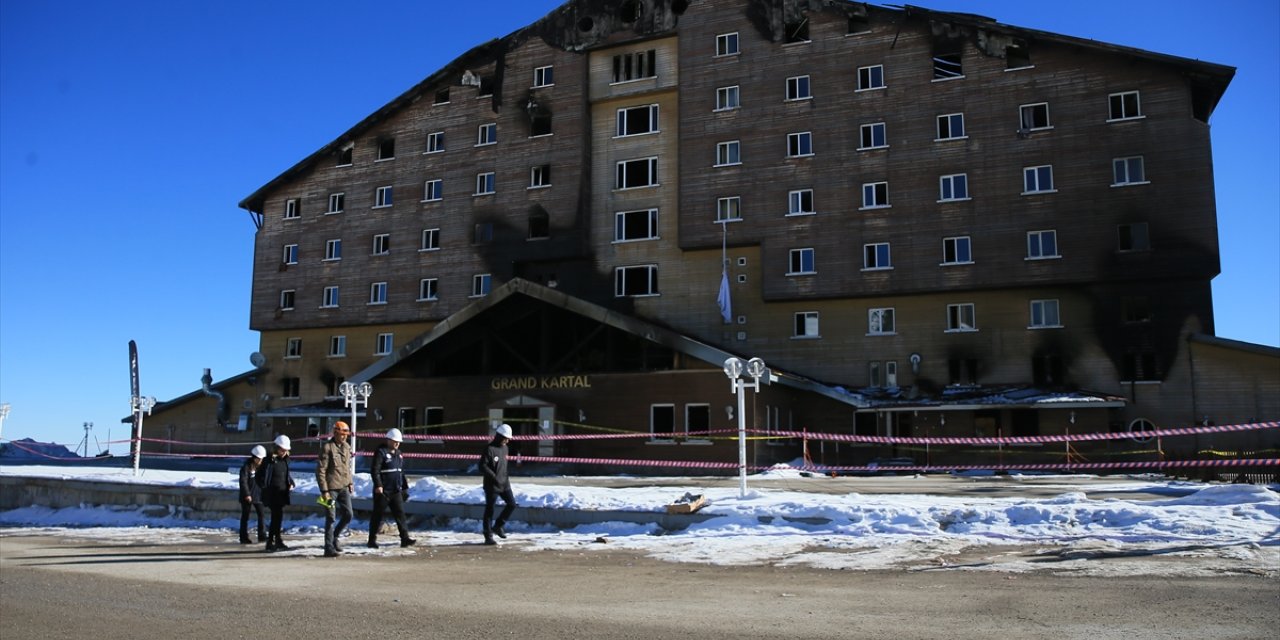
<point x="282" y="441"/>
<point x="258" y="451"/>
<point x="504" y="430"/>
<point x="394" y="435"/>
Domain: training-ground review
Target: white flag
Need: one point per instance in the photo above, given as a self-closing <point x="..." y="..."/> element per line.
<point x="726" y="309"/>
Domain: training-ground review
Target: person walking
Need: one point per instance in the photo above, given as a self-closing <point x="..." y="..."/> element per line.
<point x="493" y="464"/>
<point x="333" y="476"/>
<point x="273" y="478"/>
<point x="251" y="494"/>
<point x="390" y="488"/>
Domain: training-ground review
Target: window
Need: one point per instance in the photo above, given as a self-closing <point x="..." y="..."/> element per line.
<point x="1047" y="369"/>
<point x="633" y="174"/>
<point x="344" y="157"/>
<point x="697" y="419"/>
<point x="487" y="134"/>
<point x="430" y="240"/>
<point x="635" y="225"/>
<point x="635" y="66"/>
<point x="539" y="224"/>
<point x="539" y="123"/>
<point x="801" y="262"/>
<point x="1135" y="309"/>
<point x="406" y="417"/>
<point x="875" y="195"/>
<point x="962" y="371"/>
<point x="871" y="77"/>
<point x="797" y="31"/>
<point x="482" y="233"/>
<point x="428" y="289"/>
<point x="953" y="187"/>
<point x="381" y="244"/>
<point x="947" y="64"/>
<point x="387" y="149"/>
<point x="432" y="416"/>
<point x="382" y="197"/>
<point x="333" y="249"/>
<point x="442" y="96"/>
<point x="1037" y="179"/>
<point x="662" y="422"/>
<point x="799" y="144"/>
<point x="1140" y="367"/>
<point x="1044" y="314"/>
<point x="727" y="44"/>
<point x="292" y="208"/>
<point x="383" y="344"/>
<point x="1133" y="237"/>
<point x="484" y="183"/>
<point x="806" y="325"/>
<point x="1017" y="55"/>
<point x="378" y="293"/>
<point x="800" y="202"/>
<point x="1042" y="244"/>
<point x="1124" y="106"/>
<point x="337" y="202"/>
<point x="1128" y="171"/>
<point x="960" y="317"/>
<point x="728" y="209"/>
<point x="956" y="250"/>
<point x="728" y="153"/>
<point x="540" y="176"/>
<point x="1034" y="116"/>
<point x="635" y="121"/>
<point x="873" y="136"/>
<point x="883" y="374"/>
<point x="858" y="24"/>
<point x="880" y="322"/>
<point x="951" y="126"/>
<point x="486" y="86"/>
<point x="330" y="298"/>
<point x="290" y="254"/>
<point x="435" y="142"/>
<point x="289" y="387"/>
<point x="798" y="88"/>
<point x="727" y="98"/>
<point x="433" y="190"/>
<point x="639" y="280"/>
<point x="337" y="346"/>
<point x="287" y="299"/>
<point x="543" y="77"/>
<point x="293" y="348"/>
<point x="480" y="284"/>
<point x="876" y="256"/>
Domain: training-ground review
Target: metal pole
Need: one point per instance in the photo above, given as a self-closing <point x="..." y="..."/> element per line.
<point x="740" y="386"/>
<point x="4" y="413"/>
<point x="141" y="405"/>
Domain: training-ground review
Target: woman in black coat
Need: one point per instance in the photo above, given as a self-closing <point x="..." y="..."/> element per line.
<point x="273" y="477"/>
<point x="251" y="494"/>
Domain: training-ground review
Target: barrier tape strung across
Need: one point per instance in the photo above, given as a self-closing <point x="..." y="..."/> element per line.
<point x="1078" y="437"/>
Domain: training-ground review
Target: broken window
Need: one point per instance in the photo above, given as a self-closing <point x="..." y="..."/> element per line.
<point x="858" y="24"/>
<point x="630" y="11"/>
<point x="1135" y="309"/>
<point x="946" y="63"/>
<point x="539" y="224"/>
<point x="344" y="157"/>
<point x="1133" y="237"/>
<point x="634" y="121"/>
<point x="631" y="174"/>
<point x="1033" y="116"/>
<point x="797" y="31"/>
<point x="442" y="96"/>
<point x="1047" y="369"/>
<point x="539" y="124"/>
<point x="486" y="87"/>
<point x="387" y="149"/>
<point x="962" y="370"/>
<point x="483" y="233"/>
<point x="635" y="225"/>
<point x="662" y="421"/>
<point x="1140" y="366"/>
<point x="636" y="281"/>
<point x="1017" y="55"/>
<point x="289" y="387"/>
<point x="635" y="66"/>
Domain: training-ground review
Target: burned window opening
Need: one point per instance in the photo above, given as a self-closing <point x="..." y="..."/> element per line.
<point x="858" y="24"/>
<point x="539" y="224"/>
<point x="1133" y="237"/>
<point x="798" y="31"/>
<point x="344" y="157"/>
<point x="586" y="24"/>
<point x="442" y="96"/>
<point x="946" y="64"/>
<point x="1017" y="55"/>
<point x="679" y="7"/>
<point x="1047" y="369"/>
<point x="1140" y="367"/>
<point x="635" y="66"/>
<point x="630" y="11"/>
<point x="387" y="149"/>
<point x="486" y="87"/>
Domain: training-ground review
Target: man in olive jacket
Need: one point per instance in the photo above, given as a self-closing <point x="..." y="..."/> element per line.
<point x="333" y="475"/>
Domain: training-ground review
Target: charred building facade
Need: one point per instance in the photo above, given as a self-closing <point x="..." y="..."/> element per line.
<point x="927" y="224"/>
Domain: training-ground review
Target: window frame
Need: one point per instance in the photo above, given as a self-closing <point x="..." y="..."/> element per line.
<point x="1041" y="307"/>
<point x="435" y="142"/>
<point x="486" y="180"/>
<point x="796" y="203"/>
<point x="728" y="98"/>
<point x="540" y="176"/>
<point x="876" y="191"/>
<point x="481" y="285"/>
<point x="622" y="224"/>
<point x="331" y="298"/>
<point x="337" y="346"/>
<point x="430" y="239"/>
<point x="948" y="183"/>
<point x="624" y="120"/>
<point x="337" y="203"/>
<point x="727" y="45"/>
<point x="805" y="325"/>
<point x="956" y="317"/>
<point x="951" y="119"/>
<point x="289" y="254"/>
<point x="798" y="89"/>
<point x="728" y="153"/>
<point x="800" y="258"/>
<point x="867" y="76"/>
<point x="1127" y="163"/>
<point x="1137" y="242"/>
<point x="332" y="250"/>
<point x="621" y="280"/>
<point x="1040" y="235"/>
<point x="384" y="197"/>
<point x="293" y="349"/>
<point x="288" y="299"/>
<point x="381" y="244"/>
<point x="487" y="134"/>
<point x="871" y="126"/>
<point x="428" y="290"/>
<point x="645" y="66"/>
<point x="1027" y="117"/>
<point x="723" y="205"/>
<point x="1037" y="172"/>
<point x="875" y="252"/>
<point x="433" y="190"/>
<point x="955" y="252"/>
<point x="800" y="144"/>
<point x="544" y="76"/>
<point x="384" y="344"/>
<point x="621" y="170"/>
<point x="1124" y="116"/>
<point x="878" y="318"/>
<point x="292" y="208"/>
<point x="377" y="293"/>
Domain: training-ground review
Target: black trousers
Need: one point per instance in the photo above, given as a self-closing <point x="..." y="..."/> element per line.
<point x="245" y="508"/>
<point x="277" y="519"/>
<point x="508" y="505"/>
<point x="381" y="501"/>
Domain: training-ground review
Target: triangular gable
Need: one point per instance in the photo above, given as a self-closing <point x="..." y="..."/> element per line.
<point x="631" y="325"/>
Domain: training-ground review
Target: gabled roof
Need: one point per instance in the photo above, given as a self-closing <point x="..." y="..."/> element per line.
<point x="1209" y="80"/>
<point x="622" y="322"/>
<point x="199" y="393"/>
<point x="1236" y="345"/>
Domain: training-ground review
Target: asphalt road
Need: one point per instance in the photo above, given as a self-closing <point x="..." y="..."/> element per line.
<point x="65" y="587"/>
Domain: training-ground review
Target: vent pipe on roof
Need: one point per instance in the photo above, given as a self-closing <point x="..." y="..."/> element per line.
<point x="205" y="381"/>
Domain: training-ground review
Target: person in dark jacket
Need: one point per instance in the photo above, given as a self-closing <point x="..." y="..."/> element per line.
<point x="493" y="464"/>
<point x="390" y="488"/>
<point x="273" y="477"/>
<point x="251" y="494"/>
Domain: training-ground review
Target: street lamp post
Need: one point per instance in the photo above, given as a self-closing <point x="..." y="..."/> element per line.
<point x="141" y="405"/>
<point x="4" y="413"/>
<point x="734" y="368"/>
<point x="88" y="426"/>
<point x="355" y="396"/>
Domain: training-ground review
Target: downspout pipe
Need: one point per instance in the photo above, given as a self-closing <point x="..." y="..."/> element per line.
<point x="205" y="386"/>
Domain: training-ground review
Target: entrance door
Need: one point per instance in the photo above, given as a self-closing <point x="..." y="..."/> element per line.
<point x="528" y="421"/>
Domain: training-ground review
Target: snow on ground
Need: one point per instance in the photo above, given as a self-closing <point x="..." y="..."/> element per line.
<point x="1200" y="529"/>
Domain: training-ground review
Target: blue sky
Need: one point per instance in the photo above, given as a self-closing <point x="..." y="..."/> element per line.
<point x="130" y="130"/>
